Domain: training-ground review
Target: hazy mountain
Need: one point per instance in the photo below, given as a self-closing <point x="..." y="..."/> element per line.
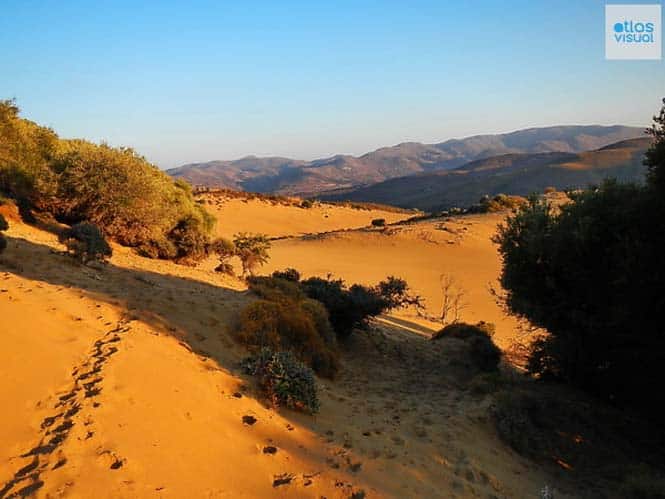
<point x="509" y="173"/>
<point x="288" y="176"/>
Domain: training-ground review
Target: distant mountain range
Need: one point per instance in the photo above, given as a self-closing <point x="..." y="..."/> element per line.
<point x="309" y="178"/>
<point x="519" y="174"/>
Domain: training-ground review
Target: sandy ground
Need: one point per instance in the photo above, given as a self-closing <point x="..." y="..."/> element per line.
<point x="279" y="220"/>
<point x="422" y="254"/>
<point x="122" y="380"/>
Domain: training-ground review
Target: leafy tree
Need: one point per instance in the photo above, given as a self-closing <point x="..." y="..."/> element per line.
<point x="592" y="275"/>
<point x="25" y="152"/>
<point x="252" y="249"/>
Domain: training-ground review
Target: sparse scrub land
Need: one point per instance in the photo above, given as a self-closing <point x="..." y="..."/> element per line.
<point x="307" y="317"/>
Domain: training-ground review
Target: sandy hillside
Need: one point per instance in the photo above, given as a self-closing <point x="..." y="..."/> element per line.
<point x="279" y="219"/>
<point x="123" y="381"/>
<point x="420" y="253"/>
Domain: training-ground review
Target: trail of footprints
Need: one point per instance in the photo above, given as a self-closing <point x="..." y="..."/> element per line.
<point x="86" y="387"/>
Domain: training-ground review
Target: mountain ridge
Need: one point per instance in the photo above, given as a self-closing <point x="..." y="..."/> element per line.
<point x="306" y="178"/>
<point x="519" y="174"/>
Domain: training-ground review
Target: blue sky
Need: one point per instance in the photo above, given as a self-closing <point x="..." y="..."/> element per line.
<point x="195" y="81"/>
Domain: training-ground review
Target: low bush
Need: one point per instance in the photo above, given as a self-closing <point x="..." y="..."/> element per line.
<point x="275" y="288"/>
<point x="348" y="308"/>
<point x="190" y="238"/>
<point x="463" y="331"/>
<point x="161" y="248"/>
<point x="306" y="203"/>
<point x="289" y="274"/>
<point x="285" y="324"/>
<point x="86" y="242"/>
<point x="351" y="308"/>
<point x="500" y="202"/>
<point x="379" y="222"/>
<point x="484" y="353"/>
<point x="286" y="381"/>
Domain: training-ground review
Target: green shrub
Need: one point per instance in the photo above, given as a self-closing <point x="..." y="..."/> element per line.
<point x="161" y="248"/>
<point x="306" y="203"/>
<point x="351" y="308"/>
<point x="463" y="331"/>
<point x="284" y="380"/>
<point x="129" y="199"/>
<point x="275" y="288"/>
<point x="348" y="308"/>
<point x="592" y="275"/>
<point x="289" y="274"/>
<point x="484" y="353"/>
<point x="86" y="242"/>
<point x="287" y="325"/>
<point x="500" y="202"/>
<point x="190" y="239"/>
<point x="379" y="222"/>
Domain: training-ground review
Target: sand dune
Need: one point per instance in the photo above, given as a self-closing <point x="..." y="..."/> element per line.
<point x="123" y="381"/>
<point x="279" y="219"/>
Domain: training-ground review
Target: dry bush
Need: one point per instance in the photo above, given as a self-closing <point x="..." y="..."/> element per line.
<point x="484" y="353"/>
<point x="86" y="242"/>
<point x="284" y="320"/>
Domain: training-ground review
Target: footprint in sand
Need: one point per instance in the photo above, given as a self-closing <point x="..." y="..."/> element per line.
<point x="249" y="420"/>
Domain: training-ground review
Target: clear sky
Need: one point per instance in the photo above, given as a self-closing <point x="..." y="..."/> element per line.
<point x="202" y="80"/>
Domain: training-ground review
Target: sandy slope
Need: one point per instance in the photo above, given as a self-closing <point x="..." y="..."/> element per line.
<point x="420" y="253"/>
<point x="122" y="381"/>
<point x="278" y="220"/>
